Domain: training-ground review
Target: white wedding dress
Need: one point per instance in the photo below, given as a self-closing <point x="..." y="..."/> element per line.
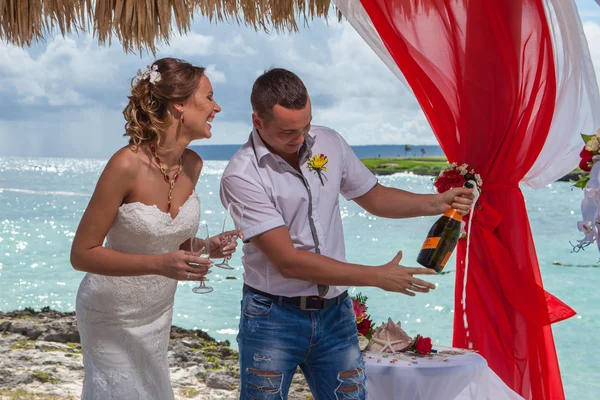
<point x="125" y="322"/>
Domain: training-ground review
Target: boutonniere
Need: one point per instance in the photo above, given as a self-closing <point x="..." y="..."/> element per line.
<point x="317" y="164"/>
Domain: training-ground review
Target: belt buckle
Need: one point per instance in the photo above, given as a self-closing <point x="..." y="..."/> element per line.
<point x="303" y="303"/>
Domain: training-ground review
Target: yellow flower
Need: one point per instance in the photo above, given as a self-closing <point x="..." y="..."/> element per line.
<point x="317" y="164"/>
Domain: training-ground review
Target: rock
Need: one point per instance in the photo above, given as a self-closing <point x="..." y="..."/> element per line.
<point x="187" y="376"/>
<point x="62" y="331"/>
<point x="11" y="378"/>
<point x="299" y="389"/>
<point x="222" y="379"/>
<point x="50" y="346"/>
<point x="26" y="328"/>
<point x="177" y="333"/>
<point x="41" y="358"/>
<point x="5" y="326"/>
<point x="230" y="277"/>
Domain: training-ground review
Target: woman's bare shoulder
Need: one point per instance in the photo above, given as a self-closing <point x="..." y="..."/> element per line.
<point x="127" y="161"/>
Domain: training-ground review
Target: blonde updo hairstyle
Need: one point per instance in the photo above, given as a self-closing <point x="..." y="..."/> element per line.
<point x="147" y="114"/>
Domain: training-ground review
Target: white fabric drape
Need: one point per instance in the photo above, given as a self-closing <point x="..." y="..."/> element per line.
<point x="356" y="15"/>
<point x="577" y="100"/>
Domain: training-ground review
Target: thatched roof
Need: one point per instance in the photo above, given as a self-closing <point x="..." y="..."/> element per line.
<point x="141" y="24"/>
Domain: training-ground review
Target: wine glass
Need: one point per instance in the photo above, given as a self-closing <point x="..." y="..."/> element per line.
<point x="204" y="250"/>
<point x="231" y="226"/>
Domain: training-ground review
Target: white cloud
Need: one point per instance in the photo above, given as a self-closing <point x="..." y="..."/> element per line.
<point x="215" y="75"/>
<point x="237" y="48"/>
<point x="370" y="105"/>
<point x="59" y="75"/>
<point x="192" y="44"/>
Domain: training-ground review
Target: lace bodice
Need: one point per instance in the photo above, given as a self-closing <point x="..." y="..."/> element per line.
<point x="143" y="229"/>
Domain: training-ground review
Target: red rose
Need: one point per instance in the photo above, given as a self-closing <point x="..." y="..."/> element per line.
<point x="364" y="327"/>
<point x="585" y="165"/>
<point x="586" y="155"/>
<point x="423" y="345"/>
<point x="450" y="179"/>
<point x="586" y="160"/>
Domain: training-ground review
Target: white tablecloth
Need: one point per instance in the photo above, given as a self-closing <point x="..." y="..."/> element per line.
<point x="439" y="377"/>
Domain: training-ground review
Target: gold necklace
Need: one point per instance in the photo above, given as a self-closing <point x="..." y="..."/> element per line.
<point x="170" y="181"/>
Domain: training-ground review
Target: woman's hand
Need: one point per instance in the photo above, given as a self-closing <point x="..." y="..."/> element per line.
<point x="184" y="266"/>
<point x="220" y="246"/>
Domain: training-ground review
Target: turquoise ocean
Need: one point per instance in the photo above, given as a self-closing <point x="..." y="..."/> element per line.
<point x="42" y="200"/>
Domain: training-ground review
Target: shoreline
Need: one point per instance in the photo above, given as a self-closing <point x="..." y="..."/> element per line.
<point x="424" y="166"/>
<point x="43" y="361"/>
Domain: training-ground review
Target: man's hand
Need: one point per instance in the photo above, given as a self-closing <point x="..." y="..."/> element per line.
<point x="224" y="245"/>
<point x="461" y="199"/>
<point x="396" y="278"/>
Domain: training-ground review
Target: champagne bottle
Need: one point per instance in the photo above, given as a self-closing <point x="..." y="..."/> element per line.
<point x="441" y="240"/>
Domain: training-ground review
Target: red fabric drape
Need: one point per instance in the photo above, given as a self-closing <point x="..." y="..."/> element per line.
<point x="483" y="72"/>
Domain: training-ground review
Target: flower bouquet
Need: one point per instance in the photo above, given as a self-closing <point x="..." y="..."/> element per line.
<point x="456" y="176"/>
<point x="364" y="324"/>
<point x="590" y="149"/>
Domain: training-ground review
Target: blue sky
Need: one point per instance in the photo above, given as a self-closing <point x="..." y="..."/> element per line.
<point x="64" y="97"/>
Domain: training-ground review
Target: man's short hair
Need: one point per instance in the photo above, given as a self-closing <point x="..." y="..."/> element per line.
<point x="277" y="86"/>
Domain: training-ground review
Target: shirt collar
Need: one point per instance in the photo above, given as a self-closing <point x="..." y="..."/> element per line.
<point x="261" y="150"/>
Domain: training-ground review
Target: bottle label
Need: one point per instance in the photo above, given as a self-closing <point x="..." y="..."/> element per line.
<point x="453" y="214"/>
<point x="443" y="264"/>
<point x="431" y="243"/>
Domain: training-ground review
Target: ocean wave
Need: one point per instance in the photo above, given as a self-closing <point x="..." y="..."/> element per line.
<point x="44" y="192"/>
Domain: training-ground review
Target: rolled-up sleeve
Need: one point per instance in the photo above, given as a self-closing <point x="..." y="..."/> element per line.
<point x="357" y="180"/>
<point x="260" y="214"/>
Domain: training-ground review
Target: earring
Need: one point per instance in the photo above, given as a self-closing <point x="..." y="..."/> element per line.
<point x="182" y="120"/>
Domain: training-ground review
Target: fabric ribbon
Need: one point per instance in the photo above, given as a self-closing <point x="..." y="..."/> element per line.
<point x="464" y="291"/>
<point x="520" y="289"/>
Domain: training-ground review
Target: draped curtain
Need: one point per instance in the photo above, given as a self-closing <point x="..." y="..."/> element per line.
<point x="506" y="87"/>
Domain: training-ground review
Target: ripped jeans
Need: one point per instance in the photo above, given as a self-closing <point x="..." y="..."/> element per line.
<point x="274" y="339"/>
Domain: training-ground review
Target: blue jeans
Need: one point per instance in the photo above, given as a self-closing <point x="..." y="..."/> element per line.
<point x="274" y="339"/>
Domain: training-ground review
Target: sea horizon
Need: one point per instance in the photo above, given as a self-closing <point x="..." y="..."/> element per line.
<point x="224" y="152"/>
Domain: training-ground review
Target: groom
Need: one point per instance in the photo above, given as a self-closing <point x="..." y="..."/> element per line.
<point x="295" y="309"/>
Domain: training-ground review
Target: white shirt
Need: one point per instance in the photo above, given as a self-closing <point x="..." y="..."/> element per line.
<point x="274" y="194"/>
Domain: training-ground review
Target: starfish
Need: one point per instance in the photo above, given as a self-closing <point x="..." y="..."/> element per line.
<point x="387" y="343"/>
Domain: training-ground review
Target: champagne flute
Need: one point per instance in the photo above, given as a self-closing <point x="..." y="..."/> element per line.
<point x="204" y="250"/>
<point x="231" y="226"/>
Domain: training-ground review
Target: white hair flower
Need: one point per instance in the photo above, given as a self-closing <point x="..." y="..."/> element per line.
<point x="151" y="73"/>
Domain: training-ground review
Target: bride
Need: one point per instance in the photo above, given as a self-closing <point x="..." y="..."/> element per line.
<point x="145" y="206"/>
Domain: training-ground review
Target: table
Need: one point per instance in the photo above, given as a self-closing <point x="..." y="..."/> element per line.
<point x="450" y="374"/>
